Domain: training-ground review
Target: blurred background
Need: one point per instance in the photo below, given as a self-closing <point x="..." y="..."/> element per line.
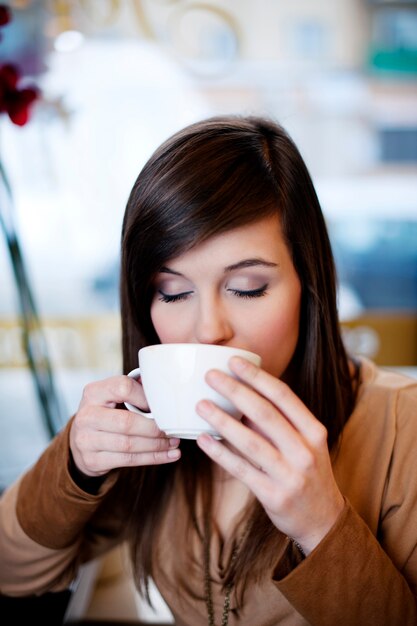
<point x="111" y="79"/>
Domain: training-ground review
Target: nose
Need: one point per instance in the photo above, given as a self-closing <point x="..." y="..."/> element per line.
<point x="213" y="324"/>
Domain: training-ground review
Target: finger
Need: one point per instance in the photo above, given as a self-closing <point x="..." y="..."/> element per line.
<point x="253" y="446"/>
<point x="271" y="423"/>
<point x="111" y="442"/>
<point x="282" y="396"/>
<point x="117" y="421"/>
<point x="114" y="390"/>
<point x="247" y="421"/>
<point x="254" y="478"/>
<point x="105" y="461"/>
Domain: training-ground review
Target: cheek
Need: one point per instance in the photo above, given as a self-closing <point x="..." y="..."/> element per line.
<point x="159" y="322"/>
<point x="170" y="326"/>
<point x="276" y="339"/>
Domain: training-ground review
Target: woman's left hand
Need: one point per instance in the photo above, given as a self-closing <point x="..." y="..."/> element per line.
<point x="279" y="451"/>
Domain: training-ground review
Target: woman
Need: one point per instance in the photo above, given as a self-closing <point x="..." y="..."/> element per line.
<point x="305" y="513"/>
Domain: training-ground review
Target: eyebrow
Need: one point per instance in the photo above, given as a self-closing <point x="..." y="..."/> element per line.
<point x="230" y="268"/>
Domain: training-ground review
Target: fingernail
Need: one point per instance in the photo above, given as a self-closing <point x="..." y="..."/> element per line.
<point x="238" y="363"/>
<point x="205" y="408"/>
<point x="174" y="454"/>
<point x="205" y="440"/>
<point x="174" y="442"/>
<point x="214" y="375"/>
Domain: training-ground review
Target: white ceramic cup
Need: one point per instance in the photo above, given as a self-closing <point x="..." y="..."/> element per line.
<point x="172" y="376"/>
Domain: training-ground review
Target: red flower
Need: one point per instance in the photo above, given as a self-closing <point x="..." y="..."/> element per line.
<point x="5" y="15"/>
<point x="16" y="102"/>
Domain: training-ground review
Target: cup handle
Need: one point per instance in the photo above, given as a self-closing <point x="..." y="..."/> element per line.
<point x="136" y="374"/>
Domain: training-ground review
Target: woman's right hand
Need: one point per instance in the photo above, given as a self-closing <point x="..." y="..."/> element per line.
<point x="104" y="437"/>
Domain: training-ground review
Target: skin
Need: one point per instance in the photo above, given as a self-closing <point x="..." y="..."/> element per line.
<point x="238" y="289"/>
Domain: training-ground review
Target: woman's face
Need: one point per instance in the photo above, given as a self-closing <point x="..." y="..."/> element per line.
<point x="238" y="289"/>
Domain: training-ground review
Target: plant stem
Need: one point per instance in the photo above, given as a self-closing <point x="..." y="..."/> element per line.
<point x="34" y="341"/>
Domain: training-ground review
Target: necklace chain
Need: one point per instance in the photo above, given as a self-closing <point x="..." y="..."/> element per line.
<point x="207" y="579"/>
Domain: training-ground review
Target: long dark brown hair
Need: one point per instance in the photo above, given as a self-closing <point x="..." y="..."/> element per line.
<point x="208" y="178"/>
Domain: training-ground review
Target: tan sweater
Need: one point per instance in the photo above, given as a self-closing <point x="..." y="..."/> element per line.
<point x="363" y="573"/>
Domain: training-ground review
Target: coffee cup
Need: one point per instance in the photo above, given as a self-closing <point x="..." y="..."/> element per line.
<point x="172" y="376"/>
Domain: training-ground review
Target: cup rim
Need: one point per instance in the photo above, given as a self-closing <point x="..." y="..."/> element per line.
<point x="194" y="345"/>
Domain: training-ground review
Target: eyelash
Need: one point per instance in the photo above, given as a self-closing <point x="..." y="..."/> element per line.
<point x="163" y="297"/>
<point x="253" y="293"/>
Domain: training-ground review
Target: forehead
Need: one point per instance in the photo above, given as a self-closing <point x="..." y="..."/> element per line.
<point x="260" y="238"/>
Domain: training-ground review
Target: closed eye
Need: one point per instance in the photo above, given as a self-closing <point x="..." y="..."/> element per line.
<point x="177" y="297"/>
<point x="249" y="293"/>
